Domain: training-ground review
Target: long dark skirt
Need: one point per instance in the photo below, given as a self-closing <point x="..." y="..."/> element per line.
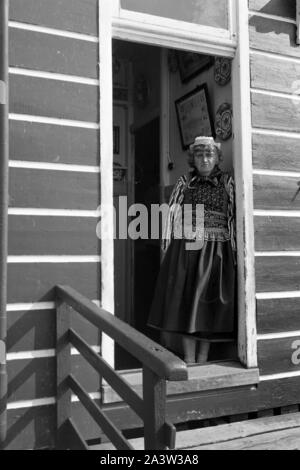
<point x="195" y="291"/>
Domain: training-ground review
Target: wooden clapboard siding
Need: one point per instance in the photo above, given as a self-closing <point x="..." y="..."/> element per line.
<point x="72" y="15"/>
<point x="269" y="73"/>
<point x="53" y="98"/>
<point x="276" y="192"/>
<point x="31" y="379"/>
<point x="30" y="330"/>
<point x="276" y="113"/>
<point x="35" y="282"/>
<point x="273" y="36"/>
<point x="36" y="142"/>
<point x="33" y="235"/>
<point x="277" y="273"/>
<point x="278" y="315"/>
<point x="276" y="153"/>
<point x="53" y="189"/>
<point x="49" y="53"/>
<point x="31" y="428"/>
<point x="277" y="233"/>
<point x="284" y="8"/>
<point x="275" y="355"/>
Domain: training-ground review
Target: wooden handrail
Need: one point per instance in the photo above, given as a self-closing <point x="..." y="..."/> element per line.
<point x="159" y="365"/>
<point x="161" y="361"/>
<point x="108" y="373"/>
<point x="109" y="428"/>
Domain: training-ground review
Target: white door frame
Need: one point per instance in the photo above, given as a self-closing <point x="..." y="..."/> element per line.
<point x="234" y="44"/>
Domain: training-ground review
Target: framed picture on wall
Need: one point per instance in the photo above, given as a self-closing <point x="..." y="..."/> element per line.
<point x="194" y="116"/>
<point x="192" y="64"/>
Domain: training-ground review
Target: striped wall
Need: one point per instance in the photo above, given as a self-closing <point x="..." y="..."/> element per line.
<point x="54" y="194"/>
<point x="275" y="100"/>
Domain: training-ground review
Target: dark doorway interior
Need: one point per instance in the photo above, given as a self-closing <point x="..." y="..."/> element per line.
<point x="146" y="252"/>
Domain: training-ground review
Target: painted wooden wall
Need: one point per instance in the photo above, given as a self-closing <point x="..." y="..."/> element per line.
<point x="54" y="195"/>
<point x="275" y="88"/>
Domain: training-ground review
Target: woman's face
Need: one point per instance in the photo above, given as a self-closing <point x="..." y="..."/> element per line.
<point x="206" y="158"/>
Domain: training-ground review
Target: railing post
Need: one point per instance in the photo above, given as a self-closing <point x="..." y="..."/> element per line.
<point x="63" y="358"/>
<point x="154" y="397"/>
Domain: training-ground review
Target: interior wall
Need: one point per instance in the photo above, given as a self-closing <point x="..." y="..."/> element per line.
<point x="217" y="95"/>
<point x="145" y="61"/>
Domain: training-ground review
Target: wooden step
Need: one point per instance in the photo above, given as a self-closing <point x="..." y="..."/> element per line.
<point x="269" y="433"/>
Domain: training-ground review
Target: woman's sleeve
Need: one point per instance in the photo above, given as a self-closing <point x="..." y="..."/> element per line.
<point x="230" y="188"/>
<point x="174" y="201"/>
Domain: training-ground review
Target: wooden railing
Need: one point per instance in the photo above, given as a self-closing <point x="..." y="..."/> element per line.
<point x="159" y="366"/>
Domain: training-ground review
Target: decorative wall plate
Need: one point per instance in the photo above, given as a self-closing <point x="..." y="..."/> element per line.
<point x="222" y="70"/>
<point x="224" y="121"/>
<point x="119" y="172"/>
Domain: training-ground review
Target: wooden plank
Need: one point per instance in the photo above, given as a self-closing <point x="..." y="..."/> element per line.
<point x="53" y="98"/>
<point x="277" y="233"/>
<point x="277" y="315"/>
<point x="36" y="378"/>
<point x="279" y="355"/>
<point x="207" y="405"/>
<point x="275" y="113"/>
<point x="35" y="282"/>
<point x="53" y="189"/>
<point x="36" y="142"/>
<point x="33" y="235"/>
<point x="284" y="8"/>
<point x="49" y="53"/>
<point x="276" y="274"/>
<point x="221" y="375"/>
<point x="275" y="153"/>
<point x="31" y="330"/>
<point x="273" y="36"/>
<point x="269" y="73"/>
<point x="74" y="15"/>
<point x="235" y="431"/>
<point x="275" y="192"/>
<point x="280" y="440"/>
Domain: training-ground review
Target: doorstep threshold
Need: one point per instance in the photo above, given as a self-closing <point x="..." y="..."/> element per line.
<point x="201" y="378"/>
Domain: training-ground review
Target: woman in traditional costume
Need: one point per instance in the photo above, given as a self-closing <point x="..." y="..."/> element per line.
<point x="195" y="291"/>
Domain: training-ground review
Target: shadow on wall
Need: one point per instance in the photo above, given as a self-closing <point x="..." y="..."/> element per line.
<point x="35" y="377"/>
<point x="275" y="7"/>
<point x="25" y="423"/>
<point x="283" y="8"/>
